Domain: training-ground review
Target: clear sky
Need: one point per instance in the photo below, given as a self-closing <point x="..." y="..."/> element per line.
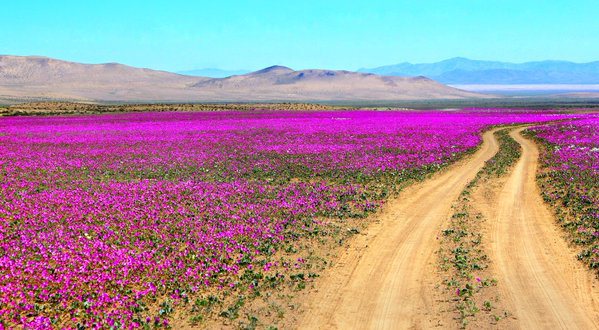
<point x="227" y="34"/>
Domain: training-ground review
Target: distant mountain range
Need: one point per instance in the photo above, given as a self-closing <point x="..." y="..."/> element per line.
<point x="213" y="73"/>
<point x="42" y="78"/>
<point x="461" y="70"/>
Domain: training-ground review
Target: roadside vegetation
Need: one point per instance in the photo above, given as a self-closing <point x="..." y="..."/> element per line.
<point x="467" y="284"/>
<point x="569" y="181"/>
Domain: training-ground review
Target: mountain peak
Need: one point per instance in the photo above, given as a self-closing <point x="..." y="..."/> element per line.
<point x="274" y="69"/>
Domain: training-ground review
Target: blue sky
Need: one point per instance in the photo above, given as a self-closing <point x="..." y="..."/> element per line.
<point x="178" y="35"/>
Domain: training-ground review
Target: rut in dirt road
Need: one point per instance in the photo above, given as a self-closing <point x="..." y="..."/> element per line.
<point x="383" y="280"/>
<point x="540" y="280"/>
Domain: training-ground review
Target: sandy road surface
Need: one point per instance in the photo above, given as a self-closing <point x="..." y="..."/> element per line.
<point x="384" y="279"/>
<point x="540" y="280"/>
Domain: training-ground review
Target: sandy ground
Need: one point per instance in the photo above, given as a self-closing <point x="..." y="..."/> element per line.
<point x="383" y="281"/>
<point x="386" y="278"/>
<point x="540" y="280"/>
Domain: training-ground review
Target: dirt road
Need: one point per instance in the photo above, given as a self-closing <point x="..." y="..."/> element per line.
<point x="386" y="278"/>
<point x="383" y="281"/>
<point x="541" y="282"/>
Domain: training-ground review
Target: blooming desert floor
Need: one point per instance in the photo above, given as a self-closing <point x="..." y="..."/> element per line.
<point x="329" y="219"/>
<point x="386" y="279"/>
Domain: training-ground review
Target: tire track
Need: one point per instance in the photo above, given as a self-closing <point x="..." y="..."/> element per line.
<point x="385" y="279"/>
<point x="539" y="278"/>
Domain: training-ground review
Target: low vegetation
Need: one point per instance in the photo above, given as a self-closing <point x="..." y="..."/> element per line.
<point x="61" y="108"/>
<point x="463" y="262"/>
<point x="569" y="180"/>
<point x="177" y="218"/>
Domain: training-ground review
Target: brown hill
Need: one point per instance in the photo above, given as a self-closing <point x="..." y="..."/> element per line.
<point x="278" y="82"/>
<point x="47" y="78"/>
<point x="50" y="79"/>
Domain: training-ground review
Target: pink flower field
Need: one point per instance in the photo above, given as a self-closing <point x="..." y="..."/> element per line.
<point x="570" y="180"/>
<point x="124" y="220"/>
